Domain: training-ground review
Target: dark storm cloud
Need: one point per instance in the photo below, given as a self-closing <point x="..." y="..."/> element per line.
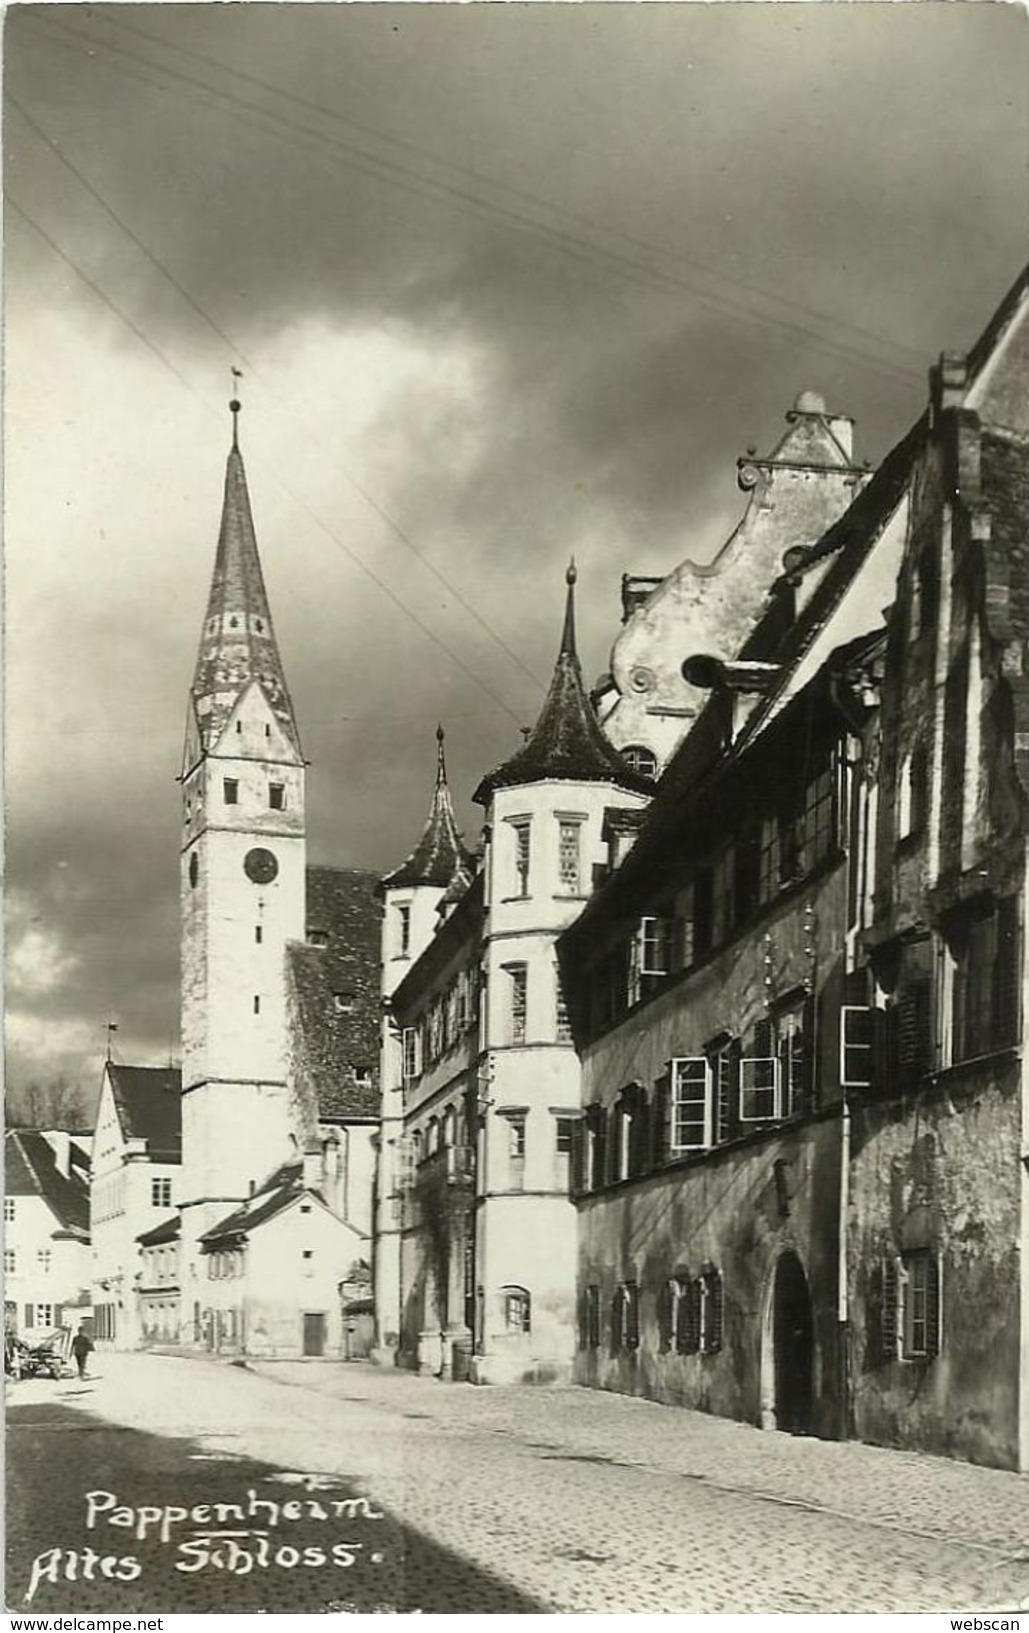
<point x="632" y="233"/>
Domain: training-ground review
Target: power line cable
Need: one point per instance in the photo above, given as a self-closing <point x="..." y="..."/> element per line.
<point x="237" y="351"/>
<point x="386" y="137"/>
<point x="296" y="498"/>
<point x="595" y="256"/>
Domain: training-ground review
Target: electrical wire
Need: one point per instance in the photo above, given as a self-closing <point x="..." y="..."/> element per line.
<point x="596" y="256"/>
<point x="286" y="488"/>
<point x="195" y="306"/>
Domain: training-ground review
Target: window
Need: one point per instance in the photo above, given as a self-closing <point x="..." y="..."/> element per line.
<point x="317" y="938"/>
<point x="160" y="1192"/>
<point x="43" y="1315"/>
<point x="569" y="869"/>
<point x="712" y="1305"/>
<point x="564" y="1136"/>
<point x="257" y="1004"/>
<point x="343" y="1003"/>
<point x="909" y="1307"/>
<point x="769" y="863"/>
<point x="791" y="1054"/>
<point x="230" y="791"/>
<point x="820" y="836"/>
<point x="913" y="795"/>
<point x="403" y="929"/>
<point x="591" y="1317"/>
<point x="516" y="1303"/>
<point x="723" y="1059"/>
<point x="43" y="1257"/>
<point x="690" y="1122"/>
<point x="987" y="977"/>
<point x="258" y="934"/>
<point x="194" y="870"/>
<point x="523" y="844"/>
<point x="411" y="1044"/>
<point x="10" y="1261"/>
<point x="649" y="954"/>
<point x="277" y="796"/>
<point x="640" y="759"/>
<point x="625" y="1314"/>
<point x="516" y="1137"/>
<point x="518" y="976"/>
<point x="562" y="1025"/>
<point x="723" y="896"/>
<point x="8" y="1209"/>
<point x="857" y="1046"/>
<point x="760" y="1089"/>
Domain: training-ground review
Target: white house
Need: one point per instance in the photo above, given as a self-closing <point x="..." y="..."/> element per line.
<point x="137" y="1153"/>
<point x="46" y="1230"/>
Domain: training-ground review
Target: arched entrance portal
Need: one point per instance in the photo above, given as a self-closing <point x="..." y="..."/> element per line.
<point x="792" y="1347"/>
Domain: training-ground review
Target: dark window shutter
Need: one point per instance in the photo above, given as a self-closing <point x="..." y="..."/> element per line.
<point x="915" y="1027"/>
<point x="632" y="1316"/>
<point x="659" y="1122"/>
<point x="1007" y="974"/>
<point x="29" y="1311"/>
<point x="665" y="1317"/>
<point x="58" y="1315"/>
<point x="809" y="1078"/>
<point x="890" y="1312"/>
<point x="690" y="1339"/>
<point x="715" y="1312"/>
<point x="932" y="1307"/>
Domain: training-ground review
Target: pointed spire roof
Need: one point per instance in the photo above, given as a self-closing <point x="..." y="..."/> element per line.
<point x="566" y="744"/>
<point x="237" y="643"/>
<point x="439" y="858"/>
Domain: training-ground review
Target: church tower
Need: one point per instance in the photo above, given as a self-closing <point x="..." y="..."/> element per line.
<point x="242" y="887"/>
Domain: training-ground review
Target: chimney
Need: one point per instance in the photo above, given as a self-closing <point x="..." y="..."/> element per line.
<point x="312" y="1175"/>
<point x="59" y="1141"/>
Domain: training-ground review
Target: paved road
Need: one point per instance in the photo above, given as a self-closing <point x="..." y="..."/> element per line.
<point x="490" y="1500"/>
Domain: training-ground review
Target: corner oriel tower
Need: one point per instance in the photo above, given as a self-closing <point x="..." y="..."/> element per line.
<point x="242" y="887"/>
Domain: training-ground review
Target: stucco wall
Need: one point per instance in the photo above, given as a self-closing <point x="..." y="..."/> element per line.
<point x="943" y="1173"/>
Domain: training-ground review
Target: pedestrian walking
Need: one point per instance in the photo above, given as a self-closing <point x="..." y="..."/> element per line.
<point x="81" y="1345"/>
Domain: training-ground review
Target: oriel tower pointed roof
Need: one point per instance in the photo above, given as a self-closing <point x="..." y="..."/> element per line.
<point x="440" y="857"/>
<point x="566" y="744"/>
<point x="237" y="643"/>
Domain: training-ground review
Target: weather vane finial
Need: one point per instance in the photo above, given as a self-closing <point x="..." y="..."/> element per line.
<point x="235" y="405"/>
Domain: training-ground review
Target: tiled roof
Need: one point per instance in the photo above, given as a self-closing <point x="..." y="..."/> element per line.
<point x="566" y="744"/>
<point x="148" y="1100"/>
<point x="439" y="857"/>
<point x="238" y="642"/>
<point x="167" y="1231"/>
<point x="333" y="995"/>
<point x="30" y="1169"/>
<point x="284" y="1187"/>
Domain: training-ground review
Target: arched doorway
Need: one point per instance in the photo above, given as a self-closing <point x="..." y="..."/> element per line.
<point x="792" y="1346"/>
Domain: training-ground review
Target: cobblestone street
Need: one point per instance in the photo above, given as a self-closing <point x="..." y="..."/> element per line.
<point x="518" y="1499"/>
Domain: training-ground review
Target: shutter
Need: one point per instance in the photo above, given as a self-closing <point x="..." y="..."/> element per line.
<point x="1007" y="980"/>
<point x="856" y="1047"/>
<point x="715" y="1308"/>
<point x="29" y="1315"/>
<point x="665" y="1317"/>
<point x="58" y="1315"/>
<point x="890" y="1317"/>
<point x="690" y="1307"/>
<point x="632" y="1316"/>
<point x="659" y="1137"/>
<point x="932" y="1307"/>
<point x="915" y="1027"/>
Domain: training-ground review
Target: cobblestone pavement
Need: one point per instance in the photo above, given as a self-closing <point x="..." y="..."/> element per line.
<point x="573" y="1500"/>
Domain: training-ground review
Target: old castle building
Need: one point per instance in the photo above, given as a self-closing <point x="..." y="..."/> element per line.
<point x="799" y="1000"/>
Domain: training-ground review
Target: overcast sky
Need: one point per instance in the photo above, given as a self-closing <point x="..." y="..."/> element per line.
<point x="505" y="283"/>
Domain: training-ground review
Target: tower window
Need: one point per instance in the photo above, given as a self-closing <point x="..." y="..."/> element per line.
<point x="267" y="729"/>
<point x="569" y="835"/>
<point x="258" y="933"/>
<point x="277" y="796"/>
<point x="239" y="726"/>
<point x="403" y="930"/>
<point x="259" y="625"/>
<point x="640" y="759"/>
<point x="233" y="623"/>
<point x="194" y="870"/>
<point x="523" y="843"/>
<point x="257" y="1004"/>
<point x="230" y="789"/>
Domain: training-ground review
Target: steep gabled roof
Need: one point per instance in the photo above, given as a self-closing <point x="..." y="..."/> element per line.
<point x="30" y="1169"/>
<point x="148" y="1100"/>
<point x="279" y="1192"/>
<point x="566" y="744"/>
<point x="333" y="994"/>
<point x="237" y="643"/>
<point x="440" y="856"/>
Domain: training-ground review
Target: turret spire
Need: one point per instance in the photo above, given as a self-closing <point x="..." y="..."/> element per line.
<point x="566" y="744"/>
<point x="440" y="857"/>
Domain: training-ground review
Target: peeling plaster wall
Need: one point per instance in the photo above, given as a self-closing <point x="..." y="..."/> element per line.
<point x="725" y="1209"/>
<point x="943" y="1173"/>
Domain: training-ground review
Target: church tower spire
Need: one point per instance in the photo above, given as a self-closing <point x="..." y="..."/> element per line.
<point x="237" y="642"/>
<point x="242" y="889"/>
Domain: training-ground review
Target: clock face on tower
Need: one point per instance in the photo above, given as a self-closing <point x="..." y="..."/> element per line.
<point x="260" y="866"/>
